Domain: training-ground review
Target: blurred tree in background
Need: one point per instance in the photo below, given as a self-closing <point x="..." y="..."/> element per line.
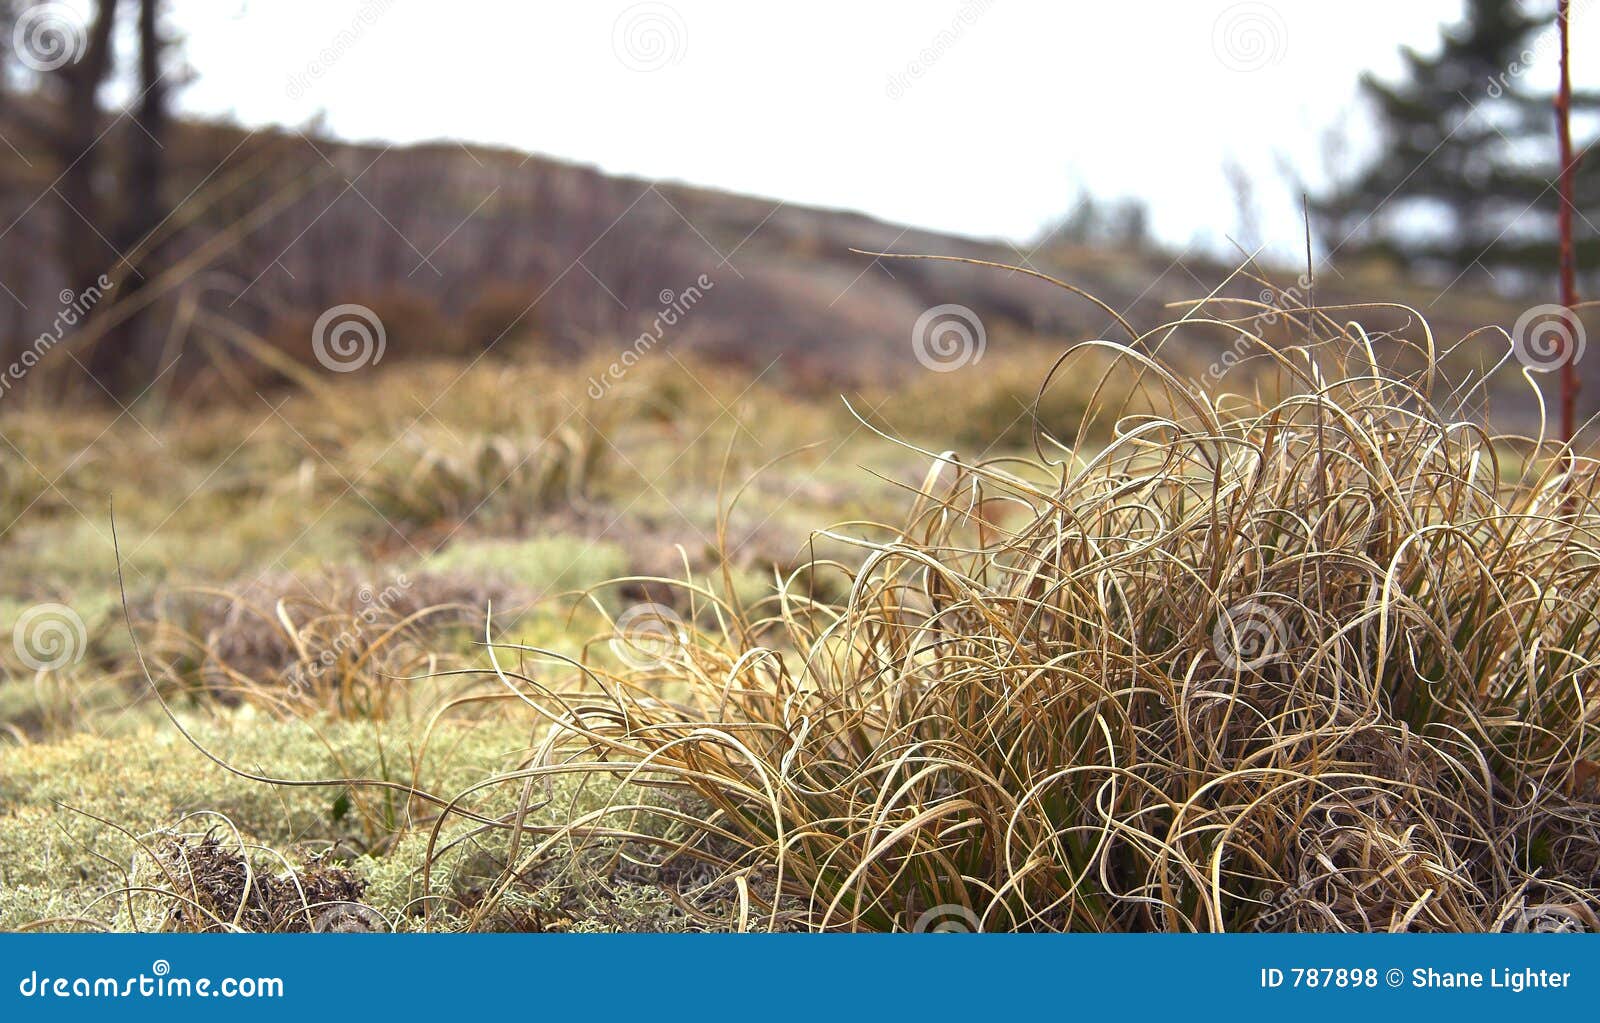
<point x="1463" y="178"/>
<point x="104" y="176"/>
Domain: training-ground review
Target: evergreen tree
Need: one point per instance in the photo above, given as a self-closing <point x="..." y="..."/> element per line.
<point x="1464" y="177"/>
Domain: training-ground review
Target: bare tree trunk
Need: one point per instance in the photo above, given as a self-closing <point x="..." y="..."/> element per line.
<point x="8" y="24"/>
<point x="84" y="253"/>
<point x="122" y="360"/>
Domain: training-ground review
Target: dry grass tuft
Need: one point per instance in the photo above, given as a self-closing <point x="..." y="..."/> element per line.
<point x="217" y="888"/>
<point x="337" y="643"/>
<point x="1322" y="658"/>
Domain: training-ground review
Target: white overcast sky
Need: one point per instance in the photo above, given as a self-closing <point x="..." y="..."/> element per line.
<point x="993" y="133"/>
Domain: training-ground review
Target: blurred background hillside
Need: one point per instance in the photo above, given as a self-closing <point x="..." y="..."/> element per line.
<point x="136" y="153"/>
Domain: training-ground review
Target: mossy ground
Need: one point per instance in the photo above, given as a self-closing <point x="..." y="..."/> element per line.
<point x="248" y="538"/>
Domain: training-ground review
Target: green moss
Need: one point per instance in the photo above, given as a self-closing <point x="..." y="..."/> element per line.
<point x="489" y="498"/>
<point x="77" y="815"/>
<point x="51" y="795"/>
<point x="544" y="565"/>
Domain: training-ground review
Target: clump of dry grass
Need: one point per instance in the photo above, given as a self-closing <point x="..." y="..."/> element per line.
<point x="215" y="887"/>
<point x="1317" y="659"/>
<point x="430" y="476"/>
<point x="336" y="643"/>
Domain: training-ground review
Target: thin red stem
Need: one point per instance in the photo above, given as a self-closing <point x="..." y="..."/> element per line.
<point x="1569" y="273"/>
